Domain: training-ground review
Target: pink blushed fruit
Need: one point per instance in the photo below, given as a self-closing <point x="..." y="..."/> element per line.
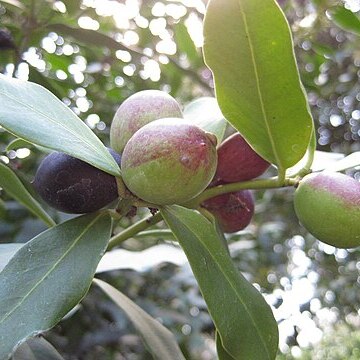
<point x="169" y="161"/>
<point x="138" y="110"/>
<point x="328" y="206"/>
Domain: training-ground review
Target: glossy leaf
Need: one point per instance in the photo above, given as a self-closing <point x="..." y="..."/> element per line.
<point x="345" y="19"/>
<point x="36" y="349"/>
<point x="160" y="341"/>
<point x="48" y="276"/>
<point x="14" y="188"/>
<point x="32" y="113"/>
<point x="349" y="162"/>
<point x="185" y="43"/>
<point x="15" y="3"/>
<point x="20" y="143"/>
<point x="206" y="114"/>
<point x="248" y="47"/>
<point x="243" y="319"/>
<point x="7" y="251"/>
<point x="322" y="160"/>
<point x="221" y="352"/>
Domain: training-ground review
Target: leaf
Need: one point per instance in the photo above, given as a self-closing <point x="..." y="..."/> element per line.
<point x="36" y="349"/>
<point x="345" y="19"/>
<point x="159" y="340"/>
<point x="7" y="251"/>
<point x="14" y="188"/>
<point x="206" y="114"/>
<point x="32" y="113"/>
<point x="249" y="48"/>
<point x="222" y="354"/>
<point x="15" y="3"/>
<point x="185" y="43"/>
<point x="142" y="261"/>
<point x="322" y="160"/>
<point x="350" y="161"/>
<point x="90" y="37"/>
<point x="48" y="276"/>
<point x="21" y="143"/>
<point x="242" y="317"/>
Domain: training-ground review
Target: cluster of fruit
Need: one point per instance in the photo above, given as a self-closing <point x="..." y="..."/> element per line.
<point x="165" y="159"/>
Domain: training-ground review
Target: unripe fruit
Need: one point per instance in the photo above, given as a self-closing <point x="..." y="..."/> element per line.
<point x="169" y="161"/>
<point x="73" y="186"/>
<point x="233" y="211"/>
<point x="237" y="161"/>
<point x="328" y="206"/>
<point x="139" y="110"/>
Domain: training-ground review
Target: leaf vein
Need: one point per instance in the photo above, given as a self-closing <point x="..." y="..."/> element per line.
<point x="229" y="282"/>
<point x="76" y="240"/>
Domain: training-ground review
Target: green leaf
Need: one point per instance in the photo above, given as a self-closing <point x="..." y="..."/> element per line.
<point x="345" y="19"/>
<point x="159" y="340"/>
<point x="222" y="353"/>
<point x="185" y="43"/>
<point x="349" y="162"/>
<point x="48" y="276"/>
<point x="206" y="114"/>
<point x="36" y="349"/>
<point x="7" y="251"/>
<point x="90" y="37"/>
<point x="21" y="143"/>
<point x="242" y="317"/>
<point x="249" y="49"/>
<point x="32" y="113"/>
<point x="15" y="3"/>
<point x="14" y="188"/>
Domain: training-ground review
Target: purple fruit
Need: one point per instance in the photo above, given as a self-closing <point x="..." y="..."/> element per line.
<point x="237" y="161"/>
<point x="233" y="211"/>
<point x="73" y="186"/>
<point x="169" y="161"/>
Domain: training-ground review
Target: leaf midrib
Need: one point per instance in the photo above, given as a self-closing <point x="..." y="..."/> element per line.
<point x="51" y="269"/>
<point x="69" y="130"/>
<point x="229" y="282"/>
<point x="257" y="80"/>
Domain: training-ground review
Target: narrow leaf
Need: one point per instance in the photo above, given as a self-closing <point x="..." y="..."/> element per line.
<point x="159" y="340"/>
<point x="14" y="188"/>
<point x="48" y="276"/>
<point x="249" y="49"/>
<point x="349" y="162"/>
<point x="7" y="251"/>
<point x="14" y="3"/>
<point x="185" y="43"/>
<point x="242" y="317"/>
<point x="222" y="353"/>
<point x="90" y="37"/>
<point x="322" y="160"/>
<point x="36" y="349"/>
<point x="206" y="114"/>
<point x="345" y="19"/>
<point x="32" y="113"/>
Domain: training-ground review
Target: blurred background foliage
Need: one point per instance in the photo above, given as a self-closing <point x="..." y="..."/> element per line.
<point x="93" y="54"/>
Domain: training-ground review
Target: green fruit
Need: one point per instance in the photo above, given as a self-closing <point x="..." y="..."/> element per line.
<point x="139" y="110"/>
<point x="169" y="161"/>
<point x="328" y="206"/>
